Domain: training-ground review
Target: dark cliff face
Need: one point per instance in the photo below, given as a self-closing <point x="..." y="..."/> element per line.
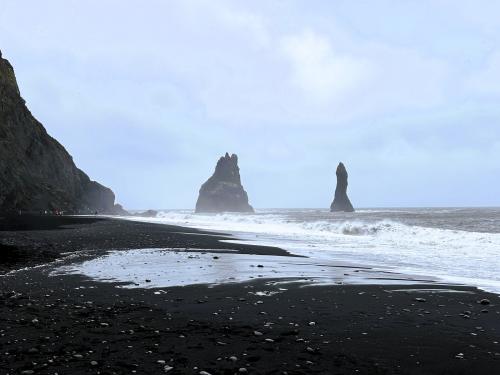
<point x="341" y="201"/>
<point x="36" y="172"/>
<point x="223" y="191"/>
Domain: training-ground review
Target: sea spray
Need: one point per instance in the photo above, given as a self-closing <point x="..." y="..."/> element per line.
<point x="455" y="244"/>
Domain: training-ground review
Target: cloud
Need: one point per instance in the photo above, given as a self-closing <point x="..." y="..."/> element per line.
<point x="160" y="90"/>
<point x="485" y="80"/>
<point x="318" y="70"/>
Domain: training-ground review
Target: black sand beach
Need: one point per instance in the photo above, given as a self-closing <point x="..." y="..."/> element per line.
<point x="71" y="325"/>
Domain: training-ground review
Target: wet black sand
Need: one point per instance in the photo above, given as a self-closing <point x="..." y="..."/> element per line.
<point x="31" y="240"/>
<point x="71" y="325"/>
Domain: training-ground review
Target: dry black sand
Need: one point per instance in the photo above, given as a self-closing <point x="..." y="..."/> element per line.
<point x="71" y="325"/>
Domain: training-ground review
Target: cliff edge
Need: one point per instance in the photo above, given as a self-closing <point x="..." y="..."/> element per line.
<point x="37" y="174"/>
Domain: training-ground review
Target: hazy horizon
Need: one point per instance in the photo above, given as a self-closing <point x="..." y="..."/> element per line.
<point x="134" y="209"/>
<point x="146" y="98"/>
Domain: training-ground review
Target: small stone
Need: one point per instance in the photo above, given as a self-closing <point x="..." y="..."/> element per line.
<point x="161" y="361"/>
<point x="204" y="373"/>
<point x="257" y="333"/>
<point x="34" y="321"/>
<point x="418" y="299"/>
<point x="78" y="356"/>
<point x="93" y="363"/>
<point x="269" y="340"/>
<point x="243" y="370"/>
<point x="147" y="280"/>
<point x="312" y="323"/>
<point x="167" y="368"/>
<point x="233" y="358"/>
<point x="484" y="301"/>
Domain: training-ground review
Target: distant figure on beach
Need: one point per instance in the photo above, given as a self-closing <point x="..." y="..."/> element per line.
<point x="223" y="191"/>
<point x="341" y="201"/>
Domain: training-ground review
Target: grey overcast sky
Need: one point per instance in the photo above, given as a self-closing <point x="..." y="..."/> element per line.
<point x="146" y="95"/>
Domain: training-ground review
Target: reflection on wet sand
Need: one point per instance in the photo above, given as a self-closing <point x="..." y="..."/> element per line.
<point x="155" y="268"/>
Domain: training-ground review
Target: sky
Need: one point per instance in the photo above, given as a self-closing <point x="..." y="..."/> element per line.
<point x="147" y="95"/>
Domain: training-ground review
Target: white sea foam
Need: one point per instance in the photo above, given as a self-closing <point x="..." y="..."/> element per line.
<point x="381" y="238"/>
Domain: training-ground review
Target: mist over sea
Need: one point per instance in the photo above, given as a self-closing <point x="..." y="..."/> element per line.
<point x="456" y="245"/>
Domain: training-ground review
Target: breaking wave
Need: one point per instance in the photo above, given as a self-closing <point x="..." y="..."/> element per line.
<point x="425" y="243"/>
<point x="274" y="223"/>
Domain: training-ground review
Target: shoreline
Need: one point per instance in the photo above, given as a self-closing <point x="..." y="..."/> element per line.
<point x="289" y="244"/>
<point x="72" y="324"/>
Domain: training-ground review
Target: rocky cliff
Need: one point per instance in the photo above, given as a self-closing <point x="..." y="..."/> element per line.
<point x="341" y="201"/>
<point x="223" y="191"/>
<point x="36" y="172"/>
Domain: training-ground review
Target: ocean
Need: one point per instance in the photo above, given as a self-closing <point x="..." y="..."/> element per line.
<point x="455" y="245"/>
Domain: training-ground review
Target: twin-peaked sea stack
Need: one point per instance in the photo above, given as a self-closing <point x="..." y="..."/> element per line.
<point x="341" y="201"/>
<point x="223" y="191"/>
<point x="37" y="174"/>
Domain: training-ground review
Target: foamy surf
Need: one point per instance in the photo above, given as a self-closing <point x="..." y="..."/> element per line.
<point x="455" y="245"/>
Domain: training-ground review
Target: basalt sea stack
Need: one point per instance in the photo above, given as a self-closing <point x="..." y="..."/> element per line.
<point x="36" y="173"/>
<point x="341" y="201"/>
<point x="223" y="191"/>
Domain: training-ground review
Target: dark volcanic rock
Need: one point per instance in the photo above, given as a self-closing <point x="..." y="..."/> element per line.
<point x="341" y="201"/>
<point x="223" y="191"/>
<point x="36" y="172"/>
